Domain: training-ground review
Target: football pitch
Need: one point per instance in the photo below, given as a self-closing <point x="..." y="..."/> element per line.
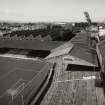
<point x="15" y="75"/>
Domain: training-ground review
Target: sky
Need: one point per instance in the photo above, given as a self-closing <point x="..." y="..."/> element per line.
<point x="51" y="10"/>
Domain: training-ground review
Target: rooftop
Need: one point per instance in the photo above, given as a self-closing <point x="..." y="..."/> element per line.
<point x="29" y="44"/>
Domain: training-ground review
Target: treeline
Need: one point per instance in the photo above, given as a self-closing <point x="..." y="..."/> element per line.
<point x="57" y="33"/>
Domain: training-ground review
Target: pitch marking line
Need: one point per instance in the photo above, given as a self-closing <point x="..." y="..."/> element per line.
<point x="18" y="57"/>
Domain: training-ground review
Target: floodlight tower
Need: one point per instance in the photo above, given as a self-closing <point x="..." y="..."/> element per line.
<point x="87" y="18"/>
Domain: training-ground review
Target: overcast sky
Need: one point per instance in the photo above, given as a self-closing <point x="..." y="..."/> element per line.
<point x="51" y="10"/>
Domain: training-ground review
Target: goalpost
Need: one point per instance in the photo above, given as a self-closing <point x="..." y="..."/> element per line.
<point x="15" y="92"/>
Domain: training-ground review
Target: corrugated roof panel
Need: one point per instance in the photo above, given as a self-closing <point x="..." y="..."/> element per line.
<point x="85" y="53"/>
<point x="101" y="47"/>
<point x="76" y="61"/>
<point x="63" y="46"/>
<point x="82" y="38"/>
<point x="59" y="52"/>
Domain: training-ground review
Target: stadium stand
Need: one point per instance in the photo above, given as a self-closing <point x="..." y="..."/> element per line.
<point x="30" y="44"/>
